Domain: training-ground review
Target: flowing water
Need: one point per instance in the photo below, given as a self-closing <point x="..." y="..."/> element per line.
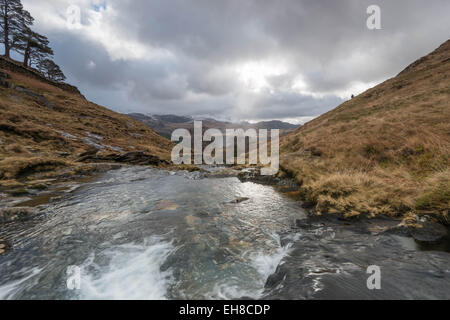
<point x="143" y="233"/>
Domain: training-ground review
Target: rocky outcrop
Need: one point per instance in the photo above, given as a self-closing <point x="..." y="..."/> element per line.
<point x="135" y="158"/>
<point x="427" y="232"/>
<point x="36" y="96"/>
<point x="254" y="175"/>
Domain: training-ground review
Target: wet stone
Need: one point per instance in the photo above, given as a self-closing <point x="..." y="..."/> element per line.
<point x="15" y="214"/>
<point x="431" y="232"/>
<point x="4" y="246"/>
<point x="240" y="200"/>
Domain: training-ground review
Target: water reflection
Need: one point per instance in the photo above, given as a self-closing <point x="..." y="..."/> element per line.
<point x="146" y="234"/>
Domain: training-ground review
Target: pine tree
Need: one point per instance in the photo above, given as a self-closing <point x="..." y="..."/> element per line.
<point x="51" y="70"/>
<point x="13" y="20"/>
<point x="33" y="46"/>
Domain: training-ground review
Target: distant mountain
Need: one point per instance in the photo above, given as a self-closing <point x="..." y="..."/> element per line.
<point x="276" y="124"/>
<point x="173" y="118"/>
<point x="166" y="124"/>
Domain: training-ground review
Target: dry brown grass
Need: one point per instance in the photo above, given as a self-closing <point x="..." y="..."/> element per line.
<point x="383" y="151"/>
<point x="17" y="167"/>
<point x="51" y="125"/>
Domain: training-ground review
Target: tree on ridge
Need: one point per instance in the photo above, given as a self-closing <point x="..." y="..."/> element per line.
<point x="13" y="20"/>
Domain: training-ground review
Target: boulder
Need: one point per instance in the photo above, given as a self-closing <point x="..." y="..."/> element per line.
<point x="428" y="232"/>
<point x="136" y="158"/>
<point x="240" y="200"/>
<point x="4" y="246"/>
<point x="15" y="214"/>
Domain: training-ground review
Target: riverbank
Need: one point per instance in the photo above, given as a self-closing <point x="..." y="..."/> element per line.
<point x="425" y="229"/>
<point x="384" y="152"/>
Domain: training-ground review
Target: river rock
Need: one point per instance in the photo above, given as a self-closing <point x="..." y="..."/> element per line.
<point x="4" y="246"/>
<point x="37" y="96"/>
<point x="256" y="177"/>
<point x="431" y="232"/>
<point x="166" y="205"/>
<point x="276" y="278"/>
<point x="427" y="232"/>
<point x="136" y="158"/>
<point x="240" y="200"/>
<point x="14" y="214"/>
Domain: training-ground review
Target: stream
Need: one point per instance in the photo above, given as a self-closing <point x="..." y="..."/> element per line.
<point x="144" y="233"/>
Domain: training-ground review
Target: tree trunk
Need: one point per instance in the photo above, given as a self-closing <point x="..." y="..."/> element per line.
<point x="26" y="55"/>
<point x="6" y="35"/>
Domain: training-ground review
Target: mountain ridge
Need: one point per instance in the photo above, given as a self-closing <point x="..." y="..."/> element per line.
<point x="166" y="124"/>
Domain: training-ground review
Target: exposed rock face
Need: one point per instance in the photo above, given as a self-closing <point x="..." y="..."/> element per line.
<point x="136" y="158"/>
<point x="37" y="96"/>
<point x="427" y="233"/>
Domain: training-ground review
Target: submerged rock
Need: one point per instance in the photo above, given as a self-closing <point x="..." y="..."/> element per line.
<point x="431" y="232"/>
<point x="240" y="200"/>
<point x="15" y="214"/>
<point x="427" y="232"/>
<point x="166" y="205"/>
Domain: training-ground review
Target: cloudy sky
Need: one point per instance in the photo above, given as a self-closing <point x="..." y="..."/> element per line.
<point x="235" y="59"/>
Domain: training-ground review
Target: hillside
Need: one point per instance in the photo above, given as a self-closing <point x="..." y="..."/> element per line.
<point x="383" y="152"/>
<point x="45" y="126"/>
<point x="166" y="124"/>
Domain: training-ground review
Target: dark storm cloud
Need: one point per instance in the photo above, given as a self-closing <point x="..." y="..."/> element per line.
<point x="286" y="104"/>
<point x="75" y="55"/>
<point x="324" y="43"/>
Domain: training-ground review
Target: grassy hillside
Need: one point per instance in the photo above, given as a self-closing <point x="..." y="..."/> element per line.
<point x="383" y="152"/>
<point x="45" y="126"/>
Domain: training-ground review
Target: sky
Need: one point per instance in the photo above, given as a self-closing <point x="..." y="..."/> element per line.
<point x="235" y="60"/>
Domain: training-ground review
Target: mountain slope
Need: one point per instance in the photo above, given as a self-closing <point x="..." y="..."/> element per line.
<point x="383" y="152"/>
<point x="45" y="125"/>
